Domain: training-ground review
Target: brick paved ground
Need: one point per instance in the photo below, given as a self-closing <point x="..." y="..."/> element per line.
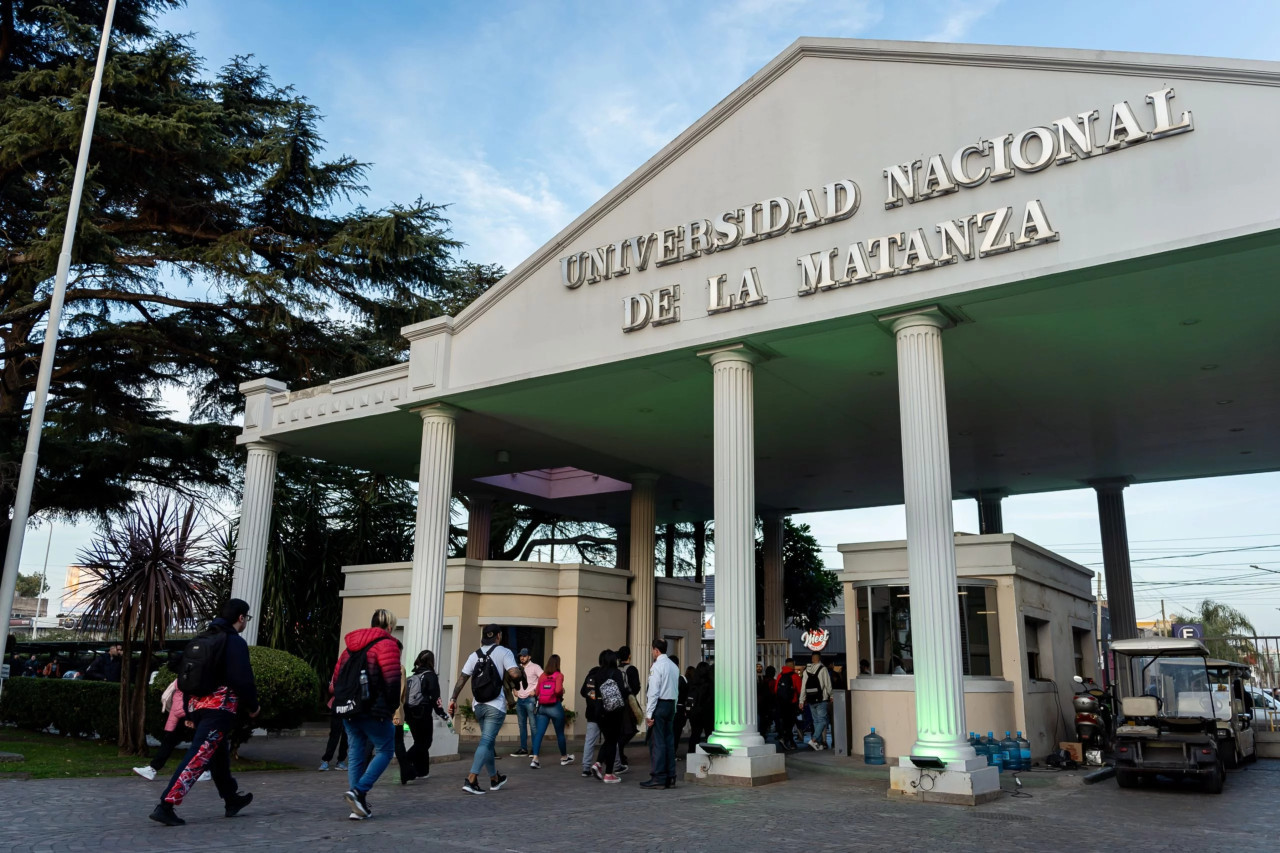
<point x="842" y="806"/>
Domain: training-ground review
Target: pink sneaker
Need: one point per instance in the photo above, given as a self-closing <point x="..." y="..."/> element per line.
<point x="609" y="779"/>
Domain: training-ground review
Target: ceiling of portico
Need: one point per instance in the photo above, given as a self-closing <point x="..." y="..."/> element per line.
<point x="1154" y="369"/>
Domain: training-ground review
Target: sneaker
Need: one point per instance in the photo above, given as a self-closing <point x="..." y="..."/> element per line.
<point x="597" y="771"/>
<point x="587" y="774"/>
<point x="146" y="771"/>
<point x="533" y="764"/>
<point x="356" y="801"/>
<point x="610" y="779"/>
<point x="496" y="783"/>
<point x="622" y="768"/>
<point x="813" y="744"/>
<point x="341" y="765"/>
<point x="236" y="802"/>
<point x="205" y="776"/>
<point x="165" y="814"/>
<point x="324" y="765"/>
<point x="354" y="816"/>
<point x="566" y="760"/>
<point x="519" y="753"/>
<point x="472" y="787"/>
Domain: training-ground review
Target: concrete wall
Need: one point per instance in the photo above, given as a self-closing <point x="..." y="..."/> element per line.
<point x="888" y="702"/>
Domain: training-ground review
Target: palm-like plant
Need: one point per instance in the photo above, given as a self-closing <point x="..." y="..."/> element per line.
<point x="1225" y="630"/>
<point x="146" y="576"/>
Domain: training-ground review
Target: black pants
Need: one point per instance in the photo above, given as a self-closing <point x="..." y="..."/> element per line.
<point x="171" y="740"/>
<point x="419" y="754"/>
<point x="610" y="730"/>
<point x="210" y="750"/>
<point x="786" y="718"/>
<point x="337" y="740"/>
<point x="700" y="725"/>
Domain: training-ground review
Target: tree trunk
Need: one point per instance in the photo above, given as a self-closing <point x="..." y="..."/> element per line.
<point x="699" y="548"/>
<point x="669" y="543"/>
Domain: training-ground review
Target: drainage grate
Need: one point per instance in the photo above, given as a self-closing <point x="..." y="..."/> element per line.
<point x="1007" y="818"/>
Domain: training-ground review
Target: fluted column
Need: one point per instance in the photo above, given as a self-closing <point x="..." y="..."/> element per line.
<point x="931" y="554"/>
<point x="479" y="520"/>
<point x="1115" y="558"/>
<point x="253" y="532"/>
<point x="640" y="562"/>
<point x="431" y="532"/>
<point x="735" y="501"/>
<point x="774" y="612"/>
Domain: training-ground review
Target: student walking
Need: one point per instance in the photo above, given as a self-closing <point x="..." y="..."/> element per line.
<point x="630" y="722"/>
<point x="527" y="702"/>
<point x="591" y="711"/>
<point x="177" y="728"/>
<point x="549" y="691"/>
<point x="486" y="668"/>
<point x="422" y="702"/>
<point x="786" y="697"/>
<point x="612" y="692"/>
<point x="337" y="737"/>
<point x="815" y="695"/>
<point x="219" y="681"/>
<point x="702" y="713"/>
<point x="366" y="694"/>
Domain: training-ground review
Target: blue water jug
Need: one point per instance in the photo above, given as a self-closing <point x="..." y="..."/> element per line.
<point x="873" y="748"/>
<point x="1024" y="750"/>
<point x="992" y="747"/>
<point x="1012" y="754"/>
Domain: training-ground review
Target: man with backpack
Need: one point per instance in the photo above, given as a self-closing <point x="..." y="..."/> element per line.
<point x="526" y="702"/>
<point x="815" y="694"/>
<point x="786" y="698"/>
<point x="366" y="694"/>
<point x="485" y="669"/>
<point x="216" y="680"/>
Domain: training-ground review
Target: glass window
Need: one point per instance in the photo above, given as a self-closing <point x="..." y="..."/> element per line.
<point x="884" y="630"/>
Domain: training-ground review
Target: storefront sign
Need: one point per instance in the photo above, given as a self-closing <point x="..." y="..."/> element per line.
<point x="816" y="640"/>
<point x="980" y="234"/>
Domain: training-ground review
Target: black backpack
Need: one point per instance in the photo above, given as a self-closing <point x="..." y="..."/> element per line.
<point x="352" y="694"/>
<point x="813" y="686"/>
<point x="486" y="682"/>
<point x="786" y="692"/>
<point x="203" y="669"/>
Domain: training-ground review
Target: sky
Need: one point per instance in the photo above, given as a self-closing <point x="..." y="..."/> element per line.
<point x="520" y="115"/>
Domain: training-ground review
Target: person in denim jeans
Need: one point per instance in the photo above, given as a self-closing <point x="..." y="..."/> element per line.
<point x="526" y="702"/>
<point x="550" y="690"/>
<point x="815" y="697"/>
<point x="489" y="714"/>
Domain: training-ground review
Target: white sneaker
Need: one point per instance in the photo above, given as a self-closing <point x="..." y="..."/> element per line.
<point x="205" y="776"/>
<point x="146" y="772"/>
<point x="566" y="759"/>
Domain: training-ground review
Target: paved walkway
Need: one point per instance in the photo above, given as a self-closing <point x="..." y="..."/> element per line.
<point x="829" y="804"/>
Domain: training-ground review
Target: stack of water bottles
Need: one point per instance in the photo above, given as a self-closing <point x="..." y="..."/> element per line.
<point x="1011" y="753"/>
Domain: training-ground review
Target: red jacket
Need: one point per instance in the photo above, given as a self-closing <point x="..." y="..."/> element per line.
<point x="384" y="668"/>
<point x="788" y="672"/>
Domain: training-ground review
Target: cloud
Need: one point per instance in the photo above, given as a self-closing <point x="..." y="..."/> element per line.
<point x="965" y="15"/>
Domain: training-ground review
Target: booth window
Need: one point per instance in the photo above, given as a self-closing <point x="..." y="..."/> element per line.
<point x="1079" y="643"/>
<point x="884" y="619"/>
<point x="1033" y="629"/>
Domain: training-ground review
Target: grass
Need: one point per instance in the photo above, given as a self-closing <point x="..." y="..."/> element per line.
<point x="56" y="757"/>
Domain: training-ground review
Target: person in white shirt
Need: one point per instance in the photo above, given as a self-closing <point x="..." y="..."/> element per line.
<point x="660" y="713"/>
<point x="527" y="702"/>
<point x="490" y="710"/>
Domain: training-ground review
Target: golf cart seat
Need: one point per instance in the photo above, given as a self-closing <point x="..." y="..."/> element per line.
<point x="1140" y="706"/>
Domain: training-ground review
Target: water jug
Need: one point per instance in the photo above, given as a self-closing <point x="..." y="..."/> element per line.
<point x="993" y="747"/>
<point x="1024" y="748"/>
<point x="1012" y="755"/>
<point x="873" y="748"/>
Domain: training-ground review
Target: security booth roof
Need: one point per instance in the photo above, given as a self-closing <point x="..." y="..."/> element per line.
<point x="1138" y="343"/>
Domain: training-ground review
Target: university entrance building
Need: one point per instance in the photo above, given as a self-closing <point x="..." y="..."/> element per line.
<point x="876" y="273"/>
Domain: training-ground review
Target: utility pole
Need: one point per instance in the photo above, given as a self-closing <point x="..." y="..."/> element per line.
<point x="30" y="457"/>
<point x="1164" y="620"/>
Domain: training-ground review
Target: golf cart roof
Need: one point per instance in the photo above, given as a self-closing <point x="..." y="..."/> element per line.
<point x="1160" y="646"/>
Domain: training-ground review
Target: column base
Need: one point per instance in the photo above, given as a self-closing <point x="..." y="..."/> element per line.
<point x="957" y="785"/>
<point x="444" y="745"/>
<point x="743" y="767"/>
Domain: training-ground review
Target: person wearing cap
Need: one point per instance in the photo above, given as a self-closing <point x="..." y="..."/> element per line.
<point x="526" y="701"/>
<point x="490" y="714"/>
<point x="214" y="716"/>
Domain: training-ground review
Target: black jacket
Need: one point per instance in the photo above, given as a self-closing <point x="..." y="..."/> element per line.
<point x="237" y="671"/>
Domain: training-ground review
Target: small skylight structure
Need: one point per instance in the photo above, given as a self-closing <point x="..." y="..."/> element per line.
<point x="555" y="483"/>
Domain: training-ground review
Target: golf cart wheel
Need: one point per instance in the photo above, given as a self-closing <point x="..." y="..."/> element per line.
<point x="1213" y="783"/>
<point x="1230" y="757"/>
<point x="1128" y="778"/>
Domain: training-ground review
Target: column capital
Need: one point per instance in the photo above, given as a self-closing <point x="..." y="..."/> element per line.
<point x="1110" y="484"/>
<point x="739" y="351"/>
<point x="937" y="316"/>
<point x="264" y="446"/>
<point x="437" y="410"/>
<point x="647" y="477"/>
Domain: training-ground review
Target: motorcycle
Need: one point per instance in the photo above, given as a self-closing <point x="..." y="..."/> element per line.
<point x="1095" y="718"/>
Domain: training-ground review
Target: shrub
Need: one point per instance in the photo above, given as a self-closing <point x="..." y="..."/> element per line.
<point x="72" y="706"/>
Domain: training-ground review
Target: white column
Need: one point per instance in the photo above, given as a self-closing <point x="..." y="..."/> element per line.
<point x="640" y="562"/>
<point x="735" y="493"/>
<point x="931" y="554"/>
<point x="253" y="532"/>
<point x="431" y="533"/>
<point x="774" y="610"/>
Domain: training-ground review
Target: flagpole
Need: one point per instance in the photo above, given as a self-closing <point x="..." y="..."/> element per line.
<point x="30" y="457"/>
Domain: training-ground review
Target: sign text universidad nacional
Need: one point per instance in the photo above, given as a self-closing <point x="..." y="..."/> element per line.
<point x="977" y="235"/>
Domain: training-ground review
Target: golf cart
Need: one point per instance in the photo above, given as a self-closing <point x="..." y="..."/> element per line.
<point x="1182" y="715"/>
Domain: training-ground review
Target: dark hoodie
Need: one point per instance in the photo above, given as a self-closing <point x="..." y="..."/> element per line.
<point x="384" y="668"/>
<point x="239" y="672"/>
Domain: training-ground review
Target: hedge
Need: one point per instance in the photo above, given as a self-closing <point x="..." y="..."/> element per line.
<point x="288" y="691"/>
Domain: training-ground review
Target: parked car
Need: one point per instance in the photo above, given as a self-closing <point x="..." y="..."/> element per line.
<point x="1266" y="710"/>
